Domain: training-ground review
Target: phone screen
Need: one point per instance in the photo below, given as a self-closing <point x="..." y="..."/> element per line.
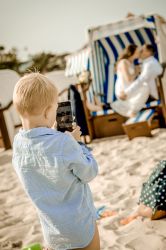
<point x="64" y="117"/>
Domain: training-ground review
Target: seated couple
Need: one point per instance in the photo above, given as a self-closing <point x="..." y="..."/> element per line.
<point x="134" y="85"/>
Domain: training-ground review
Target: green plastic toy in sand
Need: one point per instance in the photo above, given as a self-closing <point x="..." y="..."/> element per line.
<point x="35" y="246"/>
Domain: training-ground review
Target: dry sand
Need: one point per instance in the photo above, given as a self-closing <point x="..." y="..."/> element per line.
<point x="123" y="166"/>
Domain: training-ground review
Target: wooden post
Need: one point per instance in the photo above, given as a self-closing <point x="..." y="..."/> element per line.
<point x="3" y="127"/>
<point x="4" y="131"/>
<point x="89" y="118"/>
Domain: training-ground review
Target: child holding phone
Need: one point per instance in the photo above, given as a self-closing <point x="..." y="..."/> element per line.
<point x="54" y="168"/>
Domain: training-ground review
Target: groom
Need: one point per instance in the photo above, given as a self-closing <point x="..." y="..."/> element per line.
<point x="151" y="68"/>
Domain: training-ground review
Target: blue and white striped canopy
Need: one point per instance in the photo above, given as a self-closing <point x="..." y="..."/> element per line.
<point x="77" y="62"/>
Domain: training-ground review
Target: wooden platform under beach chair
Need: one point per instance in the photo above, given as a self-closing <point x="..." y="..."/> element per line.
<point x="109" y="124"/>
<point x="9" y="119"/>
<point x="141" y="125"/>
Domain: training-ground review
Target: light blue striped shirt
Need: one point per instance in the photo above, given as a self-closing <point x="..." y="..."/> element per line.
<point x="55" y="170"/>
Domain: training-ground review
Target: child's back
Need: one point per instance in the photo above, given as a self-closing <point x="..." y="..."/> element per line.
<point x="54" y="172"/>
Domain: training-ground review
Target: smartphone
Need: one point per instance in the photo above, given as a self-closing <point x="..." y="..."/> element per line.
<point x="64" y="117"/>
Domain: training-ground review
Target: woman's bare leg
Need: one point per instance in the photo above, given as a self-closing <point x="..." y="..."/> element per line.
<point x="129" y="218"/>
<point x="95" y="243"/>
<point x="142" y="210"/>
<point x="98" y="102"/>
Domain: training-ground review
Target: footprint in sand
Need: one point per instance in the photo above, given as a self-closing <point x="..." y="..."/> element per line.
<point x="113" y="188"/>
<point x="8" y="245"/>
<point x="9" y="220"/>
<point x="4" y="159"/>
<point x="149" y="242"/>
<point x="112" y="224"/>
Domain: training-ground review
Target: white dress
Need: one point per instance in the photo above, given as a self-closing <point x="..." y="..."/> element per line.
<point x="134" y="103"/>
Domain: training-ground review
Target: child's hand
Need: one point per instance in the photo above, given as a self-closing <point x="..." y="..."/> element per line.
<point x="76" y="133"/>
<point x="54" y="126"/>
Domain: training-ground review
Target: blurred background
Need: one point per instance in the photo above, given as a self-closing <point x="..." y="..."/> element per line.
<point x="39" y="33"/>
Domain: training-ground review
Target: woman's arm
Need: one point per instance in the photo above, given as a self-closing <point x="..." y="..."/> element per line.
<point x="124" y="68"/>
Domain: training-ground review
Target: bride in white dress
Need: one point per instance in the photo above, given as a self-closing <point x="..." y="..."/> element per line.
<point x="126" y="74"/>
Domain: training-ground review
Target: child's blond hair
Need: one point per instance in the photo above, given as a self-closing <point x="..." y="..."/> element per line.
<point x="33" y="93"/>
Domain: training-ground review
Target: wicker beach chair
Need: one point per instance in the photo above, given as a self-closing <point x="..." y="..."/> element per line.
<point x="107" y="42"/>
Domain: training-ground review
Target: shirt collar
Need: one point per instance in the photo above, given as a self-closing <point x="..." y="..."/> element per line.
<point x="148" y="59"/>
<point x="37" y="132"/>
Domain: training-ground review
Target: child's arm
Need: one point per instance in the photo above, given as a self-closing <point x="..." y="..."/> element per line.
<point x="79" y="160"/>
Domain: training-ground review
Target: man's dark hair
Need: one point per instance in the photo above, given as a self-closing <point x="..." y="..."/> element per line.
<point x="150" y="48"/>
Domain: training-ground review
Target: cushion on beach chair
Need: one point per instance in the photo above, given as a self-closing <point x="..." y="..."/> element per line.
<point x="141" y="116"/>
<point x="102" y="112"/>
<point x="152" y="104"/>
<point x="141" y="124"/>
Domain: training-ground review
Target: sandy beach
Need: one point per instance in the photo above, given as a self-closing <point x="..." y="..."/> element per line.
<point x="123" y="166"/>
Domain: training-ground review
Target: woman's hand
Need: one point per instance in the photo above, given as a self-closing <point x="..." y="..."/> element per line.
<point x="122" y="96"/>
<point x="137" y="70"/>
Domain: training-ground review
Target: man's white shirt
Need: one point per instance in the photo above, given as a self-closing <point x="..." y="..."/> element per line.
<point x="151" y="68"/>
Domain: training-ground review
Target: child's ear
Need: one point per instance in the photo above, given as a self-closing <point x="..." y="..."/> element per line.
<point x="46" y="111"/>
